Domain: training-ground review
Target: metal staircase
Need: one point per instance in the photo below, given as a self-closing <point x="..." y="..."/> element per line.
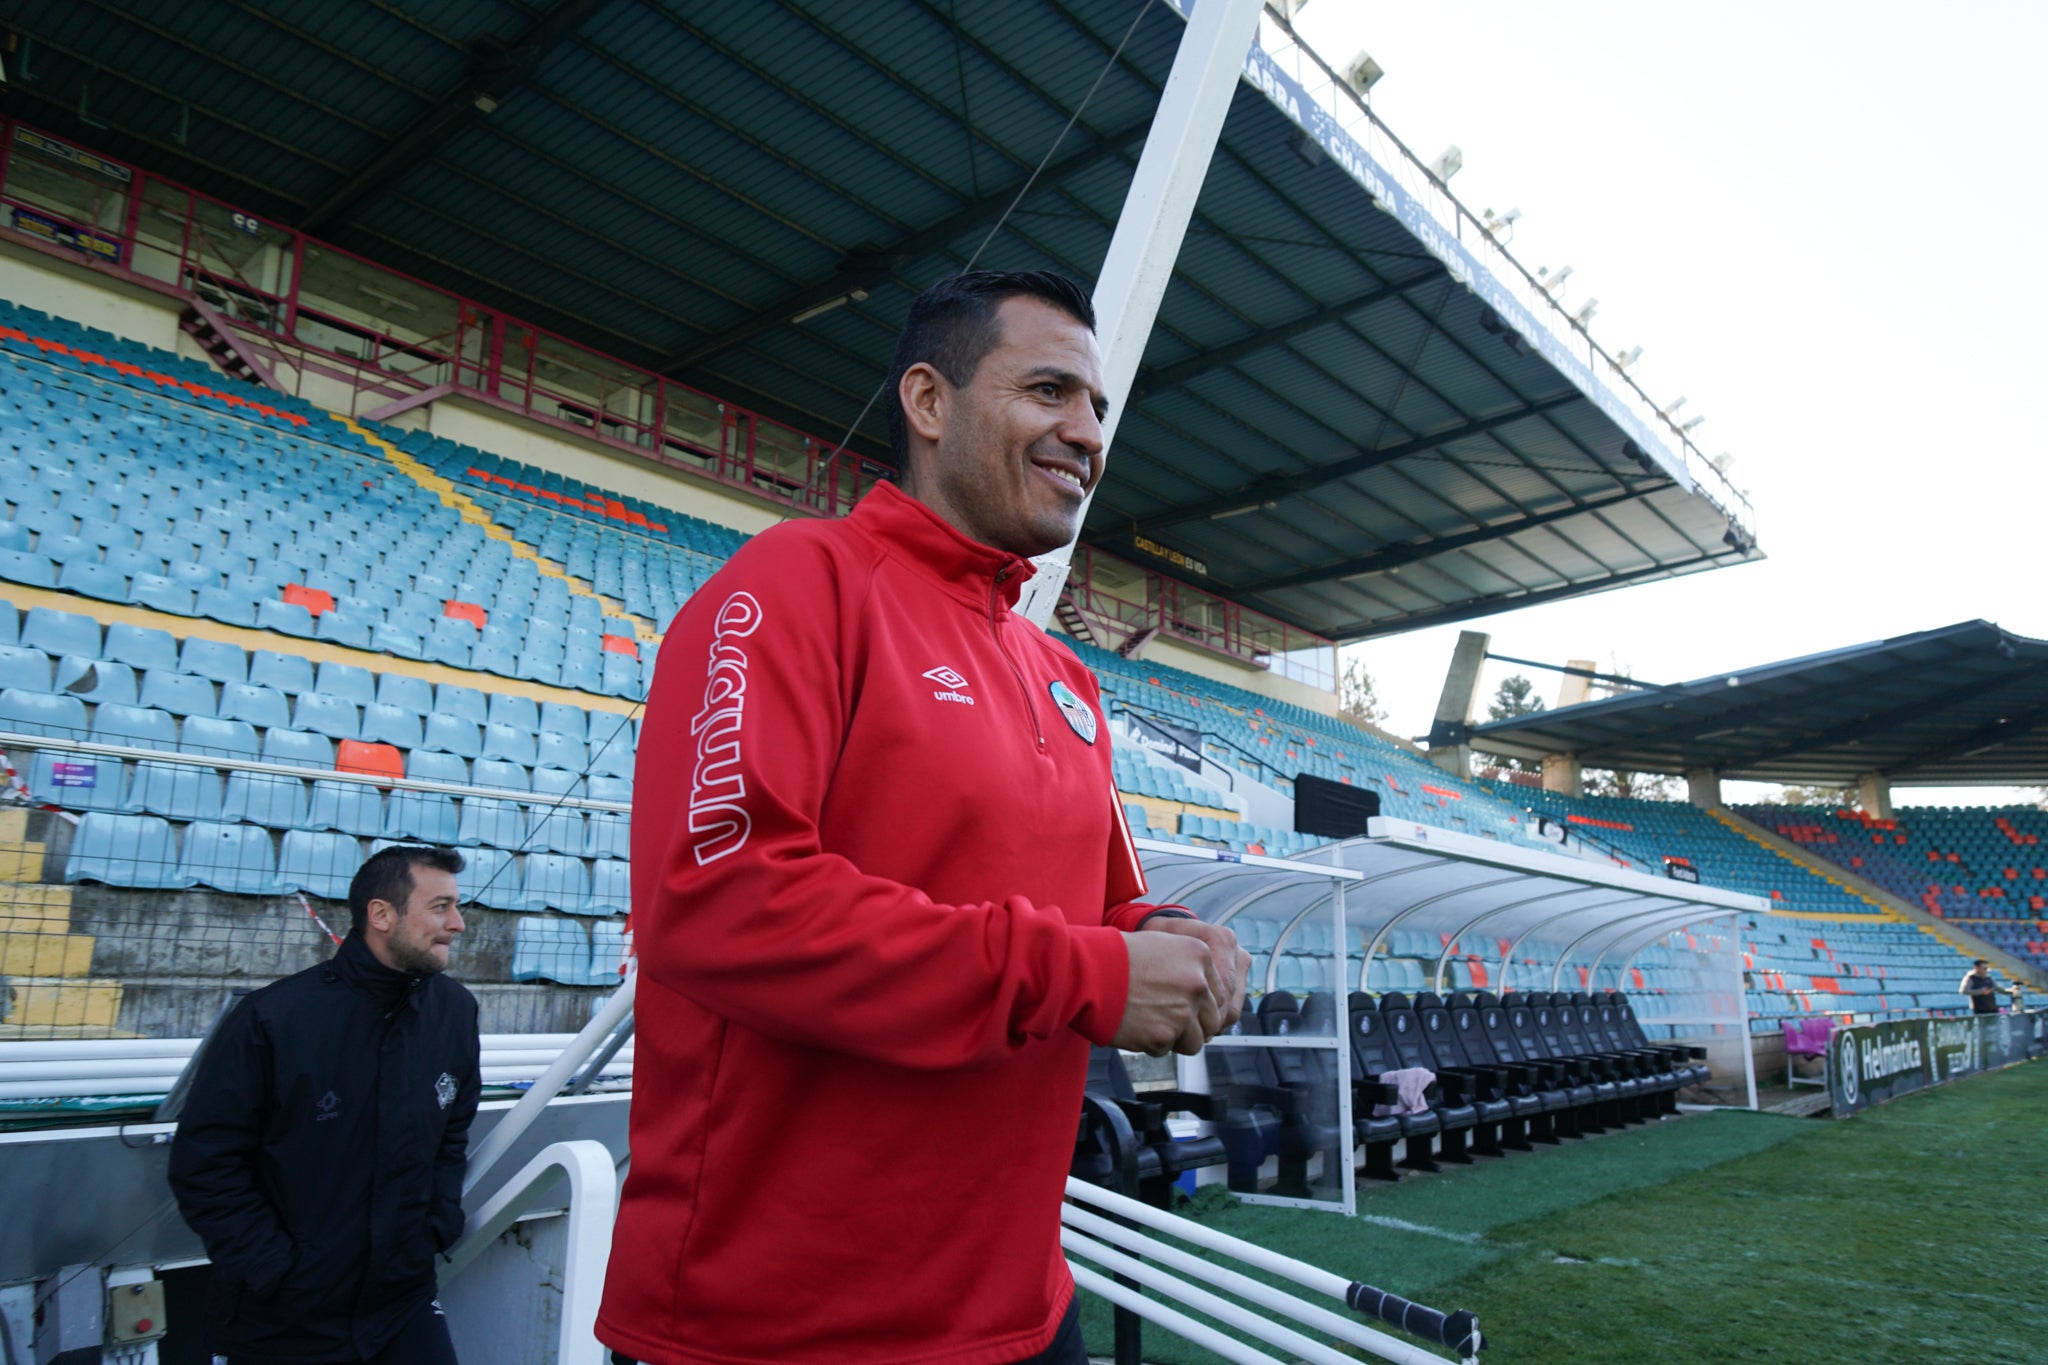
<point x="207" y="327"/>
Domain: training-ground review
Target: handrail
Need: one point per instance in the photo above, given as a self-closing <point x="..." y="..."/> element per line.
<point x="1134" y="709"/>
<point x="586" y="1252"/>
<point x="10" y="739"/>
<point x="1106" y="1233"/>
<point x="521" y="1116"/>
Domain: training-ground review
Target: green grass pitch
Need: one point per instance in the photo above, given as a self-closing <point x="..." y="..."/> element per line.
<point x="1915" y="1232"/>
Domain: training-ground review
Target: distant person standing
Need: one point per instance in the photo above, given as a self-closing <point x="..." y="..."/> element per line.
<point x="1977" y="987"/>
<point x="320" y="1156"/>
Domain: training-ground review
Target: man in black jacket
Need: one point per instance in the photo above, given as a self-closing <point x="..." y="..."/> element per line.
<point x="320" y="1155"/>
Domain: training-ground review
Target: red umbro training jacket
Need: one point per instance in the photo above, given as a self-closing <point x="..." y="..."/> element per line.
<point x="879" y="870"/>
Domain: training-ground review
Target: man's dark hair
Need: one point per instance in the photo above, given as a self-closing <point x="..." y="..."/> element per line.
<point x="387" y="876"/>
<point x="952" y="326"/>
<point x="1981" y="962"/>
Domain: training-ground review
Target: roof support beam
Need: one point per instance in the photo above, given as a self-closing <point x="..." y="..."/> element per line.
<point x="1395" y="556"/>
<point x="1864" y="726"/>
<point x="1987" y="736"/>
<point x="492" y="76"/>
<point x="865" y="269"/>
<point x="1171" y="376"/>
<point x="1273" y="487"/>
<point x="1488" y="606"/>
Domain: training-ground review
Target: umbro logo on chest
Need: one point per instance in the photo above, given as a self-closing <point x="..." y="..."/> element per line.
<point x="949" y="684"/>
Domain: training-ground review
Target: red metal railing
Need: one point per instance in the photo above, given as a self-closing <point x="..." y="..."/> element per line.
<point x="390" y="336"/>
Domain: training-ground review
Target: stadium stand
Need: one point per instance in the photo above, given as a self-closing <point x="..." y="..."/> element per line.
<point x="1981" y="867"/>
<point x="141" y="484"/>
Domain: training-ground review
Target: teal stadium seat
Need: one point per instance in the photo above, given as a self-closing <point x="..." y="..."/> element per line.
<point x="233" y="858"/>
<point x="95" y="681"/>
<point x="124" y="850"/>
<point x="320" y="864"/>
<point x="141" y="648"/>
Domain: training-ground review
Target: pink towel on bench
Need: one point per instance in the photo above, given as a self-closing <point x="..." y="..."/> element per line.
<point x="1410" y="1083"/>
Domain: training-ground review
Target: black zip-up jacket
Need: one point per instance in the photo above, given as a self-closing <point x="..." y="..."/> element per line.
<point x="320" y="1155"/>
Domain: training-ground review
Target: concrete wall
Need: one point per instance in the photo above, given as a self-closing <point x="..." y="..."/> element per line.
<point x="178" y="954"/>
<point x="87" y="297"/>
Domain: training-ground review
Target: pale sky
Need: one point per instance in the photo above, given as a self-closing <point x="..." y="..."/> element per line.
<point x="1819" y="220"/>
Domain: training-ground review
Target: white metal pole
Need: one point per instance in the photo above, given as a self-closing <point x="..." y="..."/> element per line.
<point x="1180" y="1324"/>
<point x="1340" y="1017"/>
<point x="1187" y="1230"/>
<point x="521" y="1115"/>
<point x="1244" y="1286"/>
<point x="1297" y="1345"/>
<point x="1742" y="1015"/>
<point x="1206" y="69"/>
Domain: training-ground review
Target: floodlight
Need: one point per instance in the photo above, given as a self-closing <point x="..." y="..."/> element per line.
<point x="486" y="102"/>
<point x="1586" y="311"/>
<point x="1671" y="409"/>
<point x="1504" y="222"/>
<point x="817" y="310"/>
<point x="1230" y="512"/>
<point x="1687" y="427"/>
<point x="1287" y="9"/>
<point x="1628" y="357"/>
<point x="1447" y="164"/>
<point x="1552" y="282"/>
<point x="1362" y="73"/>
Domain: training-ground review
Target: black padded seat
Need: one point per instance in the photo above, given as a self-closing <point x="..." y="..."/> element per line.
<point x="1493" y="1133"/>
<point x="1164" y="1158"/>
<point x="1312" y="1129"/>
<point x="1372" y="1057"/>
<point x="1457" y="1114"/>
<point x="1252" y="1107"/>
<point x="1525" y="1105"/>
<point x="1571" y="1074"/>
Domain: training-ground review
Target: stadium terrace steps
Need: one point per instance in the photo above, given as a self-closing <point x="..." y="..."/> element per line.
<point x="653" y="557"/>
<point x="1966" y="944"/>
<point x="45" y="969"/>
<point x="110" y="444"/>
<point x="452" y="496"/>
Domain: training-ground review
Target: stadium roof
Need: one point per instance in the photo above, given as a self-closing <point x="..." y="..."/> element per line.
<point x="1963" y="705"/>
<point x="1356" y="412"/>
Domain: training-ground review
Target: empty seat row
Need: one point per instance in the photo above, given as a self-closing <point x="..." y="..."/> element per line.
<point x="184" y="791"/>
<point x="147" y="851"/>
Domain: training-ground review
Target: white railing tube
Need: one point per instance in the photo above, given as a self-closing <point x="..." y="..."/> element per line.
<point x="1244" y="1286"/>
<point x="586" y="1250"/>
<point x="1180" y="1324"/>
<point x="1297" y="1346"/>
<point x="521" y="1115"/>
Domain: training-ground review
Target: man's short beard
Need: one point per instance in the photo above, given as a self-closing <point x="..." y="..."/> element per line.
<point x="421" y="960"/>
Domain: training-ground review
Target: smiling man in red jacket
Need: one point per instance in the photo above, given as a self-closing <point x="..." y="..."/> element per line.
<point x="885" y="898"/>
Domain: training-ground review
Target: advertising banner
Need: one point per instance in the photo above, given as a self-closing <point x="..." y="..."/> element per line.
<point x="1182" y="745"/>
<point x="1872" y="1063"/>
<point x="56" y="230"/>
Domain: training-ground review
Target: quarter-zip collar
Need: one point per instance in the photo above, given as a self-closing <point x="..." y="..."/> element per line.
<point x="979" y="576"/>
<point x="390" y="988"/>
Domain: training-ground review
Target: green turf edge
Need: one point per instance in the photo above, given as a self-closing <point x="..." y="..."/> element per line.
<point x="1915" y="1232"/>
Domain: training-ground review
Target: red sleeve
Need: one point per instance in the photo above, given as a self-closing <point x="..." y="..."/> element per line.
<point x="747" y="914"/>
